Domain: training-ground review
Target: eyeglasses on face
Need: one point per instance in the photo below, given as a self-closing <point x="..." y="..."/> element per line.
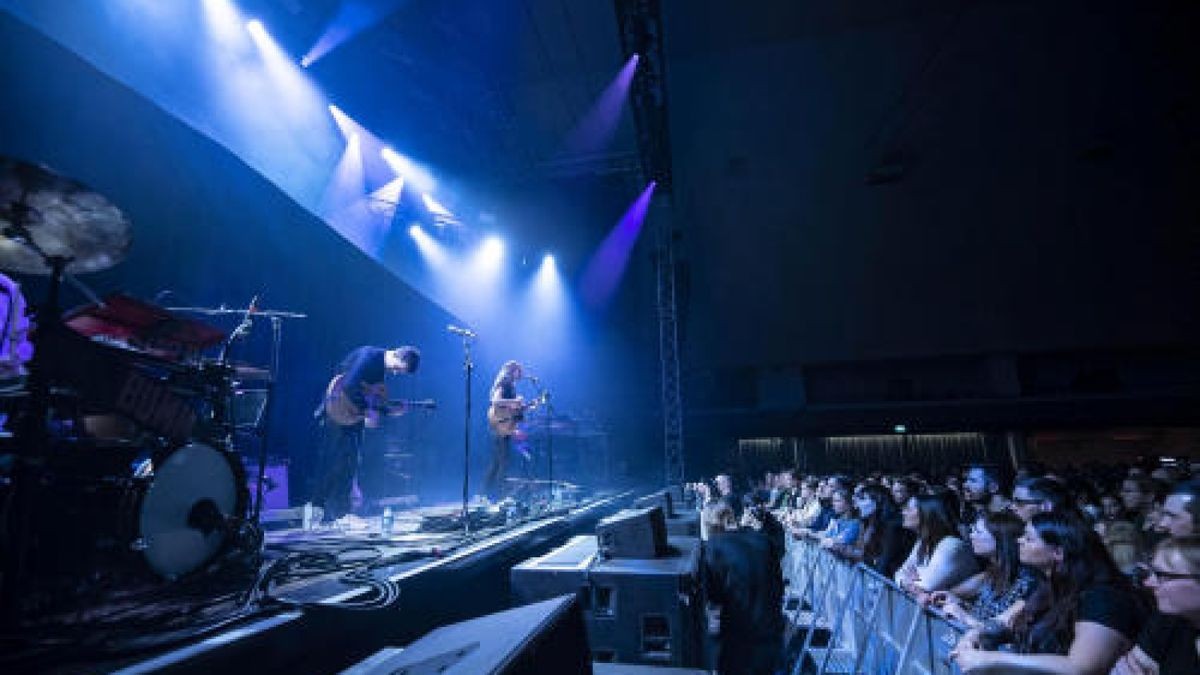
<point x="1146" y="572"/>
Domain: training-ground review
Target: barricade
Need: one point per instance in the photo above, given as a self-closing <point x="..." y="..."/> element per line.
<point x="871" y="625"/>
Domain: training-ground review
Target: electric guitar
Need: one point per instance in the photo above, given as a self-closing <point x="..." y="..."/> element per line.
<point x="503" y="418"/>
<point x="340" y="410"/>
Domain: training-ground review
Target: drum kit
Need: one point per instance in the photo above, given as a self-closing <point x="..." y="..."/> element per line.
<point x="120" y="464"/>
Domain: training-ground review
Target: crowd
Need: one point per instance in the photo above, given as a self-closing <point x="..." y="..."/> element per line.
<point x="1088" y="571"/>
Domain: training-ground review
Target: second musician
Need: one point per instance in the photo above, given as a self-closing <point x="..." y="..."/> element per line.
<point x="506" y="410"/>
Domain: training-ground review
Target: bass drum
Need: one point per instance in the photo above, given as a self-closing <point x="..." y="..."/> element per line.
<point x="193" y="503"/>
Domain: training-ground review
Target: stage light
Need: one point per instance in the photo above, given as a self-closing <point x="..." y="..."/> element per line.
<point x="344" y="124"/>
<point x="305" y="62"/>
<point x="607" y="265"/>
<point x="417" y="176"/>
<point x="900" y="429"/>
<point x="492" y="250"/>
<point x="351" y="19"/>
<point x="434" y="206"/>
<point x="257" y="30"/>
<point x="548" y="260"/>
<point x="595" y="131"/>
<point x="223" y="19"/>
<point x="434" y="254"/>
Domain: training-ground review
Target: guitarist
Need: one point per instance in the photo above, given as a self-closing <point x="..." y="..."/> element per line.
<point x="505" y="402"/>
<point x="360" y="384"/>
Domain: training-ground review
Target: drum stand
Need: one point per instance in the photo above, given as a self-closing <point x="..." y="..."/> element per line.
<point x="261" y="429"/>
<point x="549" y="440"/>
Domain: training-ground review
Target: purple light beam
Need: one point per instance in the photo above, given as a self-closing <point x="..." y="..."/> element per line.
<point x="595" y="131"/>
<point x="607" y="266"/>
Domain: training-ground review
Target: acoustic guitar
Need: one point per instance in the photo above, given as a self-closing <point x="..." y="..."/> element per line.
<point x="342" y="411"/>
<point x="503" y="418"/>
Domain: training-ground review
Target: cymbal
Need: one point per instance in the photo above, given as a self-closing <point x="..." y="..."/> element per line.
<point x="61" y="217"/>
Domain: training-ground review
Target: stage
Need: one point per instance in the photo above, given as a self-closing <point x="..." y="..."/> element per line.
<point x="348" y="585"/>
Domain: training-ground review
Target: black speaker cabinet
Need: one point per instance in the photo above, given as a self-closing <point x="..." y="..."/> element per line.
<point x="662" y="498"/>
<point x="636" y="611"/>
<point x="684" y="524"/>
<point x="633" y="533"/>
<point x="544" y="637"/>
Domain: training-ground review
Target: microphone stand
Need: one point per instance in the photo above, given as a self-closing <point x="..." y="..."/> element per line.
<point x="548" y="416"/>
<point x="468" y="371"/>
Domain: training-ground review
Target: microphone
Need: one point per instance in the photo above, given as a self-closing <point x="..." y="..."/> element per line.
<point x="464" y="332"/>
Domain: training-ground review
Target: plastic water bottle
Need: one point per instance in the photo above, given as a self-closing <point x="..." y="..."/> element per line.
<point x="387" y="520"/>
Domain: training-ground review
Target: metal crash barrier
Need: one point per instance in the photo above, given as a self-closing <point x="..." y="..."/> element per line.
<point x="850" y="619"/>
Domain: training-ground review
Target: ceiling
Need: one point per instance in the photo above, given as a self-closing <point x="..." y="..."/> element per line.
<point x="483" y="90"/>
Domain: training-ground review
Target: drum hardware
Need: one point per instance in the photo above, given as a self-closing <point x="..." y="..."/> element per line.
<point x="276" y="317"/>
<point x="55" y="227"/>
<point x="158" y="496"/>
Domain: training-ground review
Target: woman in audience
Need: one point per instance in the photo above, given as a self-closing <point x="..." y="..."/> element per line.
<point x="843" y="527"/>
<point x="1090" y="612"/>
<point x="1006" y="583"/>
<point x="1170" y="641"/>
<point x="939" y="559"/>
<point x="883" y="542"/>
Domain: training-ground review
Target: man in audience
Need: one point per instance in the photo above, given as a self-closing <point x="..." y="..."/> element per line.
<point x="744" y="582"/>
<point x="903" y="489"/>
<point x="1032" y="496"/>
<point x="982" y="492"/>
<point x="726" y="494"/>
<point x="1169" y="642"/>
<point x="1180" y="513"/>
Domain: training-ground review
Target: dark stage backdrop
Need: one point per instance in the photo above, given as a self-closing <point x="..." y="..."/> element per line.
<point x="211" y="231"/>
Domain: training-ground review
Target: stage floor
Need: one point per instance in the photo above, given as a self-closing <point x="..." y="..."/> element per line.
<point x="348" y="589"/>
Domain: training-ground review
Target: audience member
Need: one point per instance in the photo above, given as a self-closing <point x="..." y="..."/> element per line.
<point x="983" y="491"/>
<point x="1180" y="513"/>
<point x="1088" y="615"/>
<point x="1038" y="495"/>
<point x="1169" y="643"/>
<point x="744" y="581"/>
<point x="883" y="541"/>
<point x="903" y="489"/>
<point x="843" y="529"/>
<point x="1005" y="584"/>
<point x="939" y="559"/>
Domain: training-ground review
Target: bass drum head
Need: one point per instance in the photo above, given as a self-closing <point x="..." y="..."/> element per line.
<point x="186" y="513"/>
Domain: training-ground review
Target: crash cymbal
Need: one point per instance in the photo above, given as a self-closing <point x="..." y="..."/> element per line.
<point x="43" y="214"/>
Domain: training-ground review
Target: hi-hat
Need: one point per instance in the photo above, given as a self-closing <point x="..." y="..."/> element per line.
<point x="44" y="215"/>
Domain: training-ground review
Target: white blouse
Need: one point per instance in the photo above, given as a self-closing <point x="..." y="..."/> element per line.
<point x="951" y="563"/>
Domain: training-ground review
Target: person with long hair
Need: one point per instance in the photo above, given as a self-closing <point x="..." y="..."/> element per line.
<point x="883" y="542"/>
<point x="1006" y="583"/>
<point x="1089" y="614"/>
<point x="939" y="559"/>
<point x="1170" y="641"/>
<point x="843" y="528"/>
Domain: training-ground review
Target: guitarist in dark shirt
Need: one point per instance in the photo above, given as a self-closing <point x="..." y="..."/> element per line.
<point x="356" y="398"/>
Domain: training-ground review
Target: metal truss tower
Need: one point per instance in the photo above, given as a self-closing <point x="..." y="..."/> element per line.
<point x="668" y="349"/>
<point x="640" y="25"/>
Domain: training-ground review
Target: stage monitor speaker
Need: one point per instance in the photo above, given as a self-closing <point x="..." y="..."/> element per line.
<point x="661" y="498"/>
<point x="633" y="533"/>
<point x="645" y="612"/>
<point x="545" y="637"/>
